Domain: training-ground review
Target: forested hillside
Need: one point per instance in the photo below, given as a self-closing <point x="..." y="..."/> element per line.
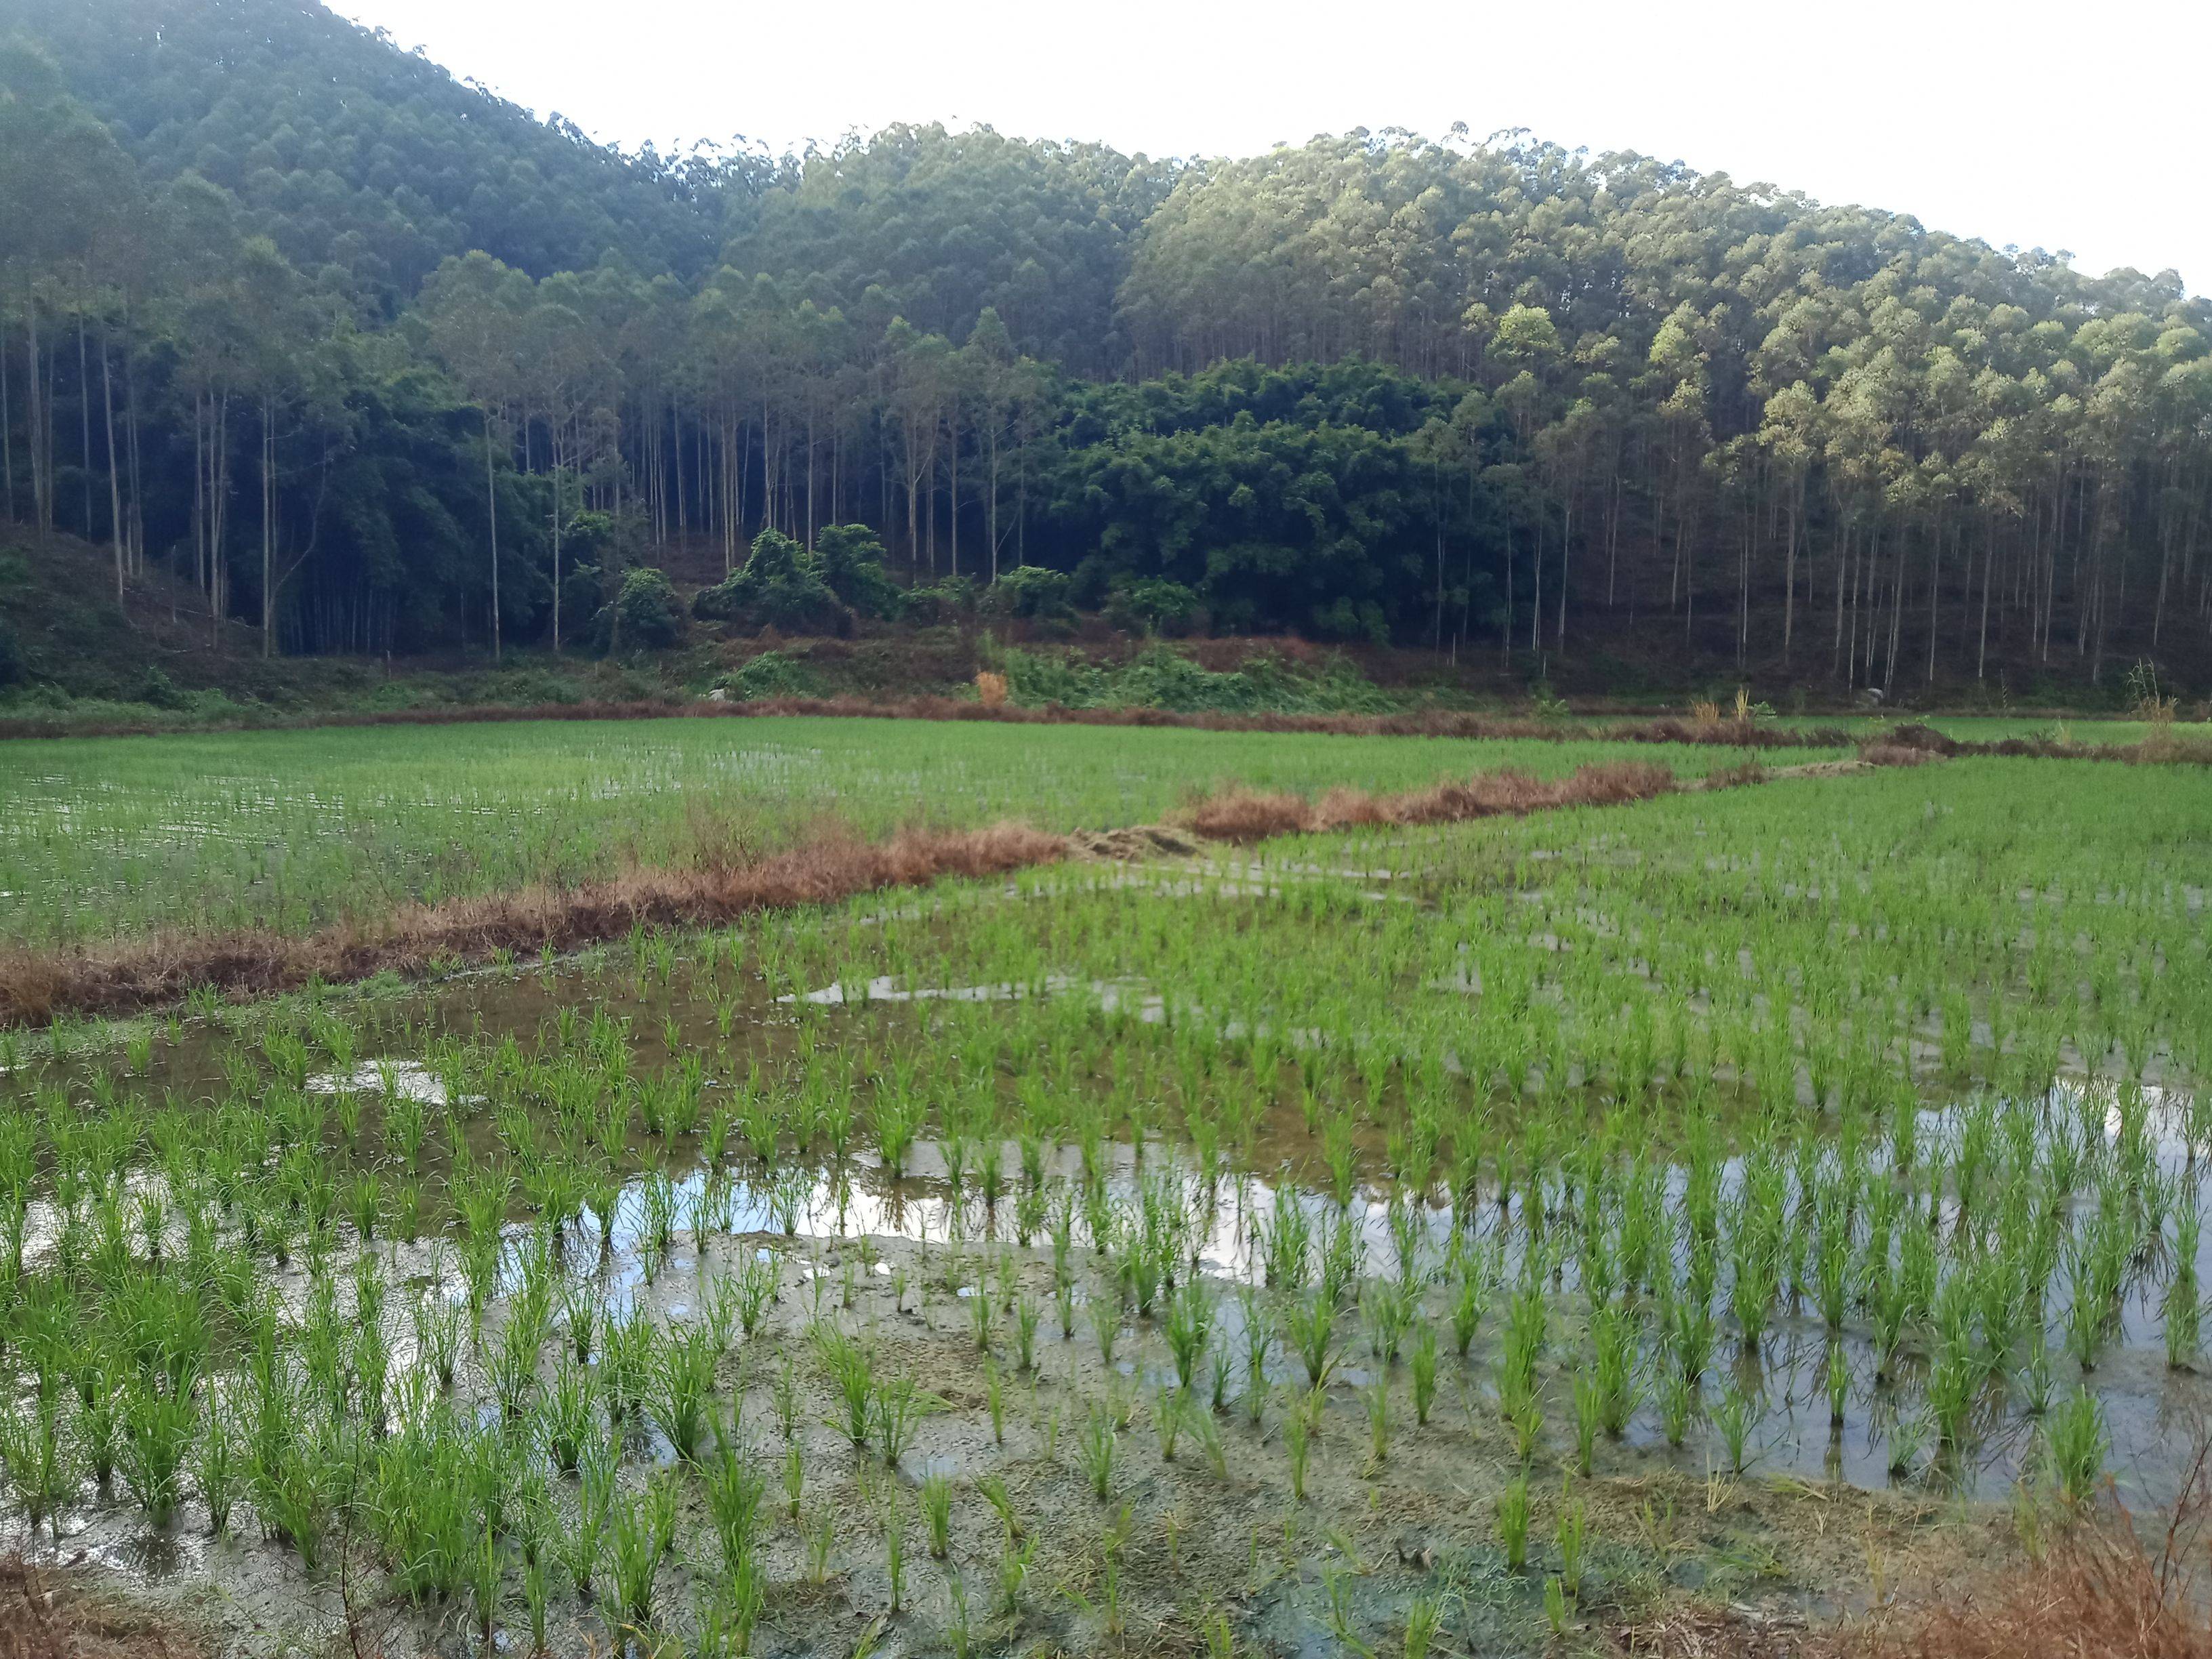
<point x="382" y="363"/>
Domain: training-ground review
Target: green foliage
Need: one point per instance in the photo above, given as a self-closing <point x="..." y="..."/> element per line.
<point x="943" y="225"/>
<point x="850" y="557"/>
<point x="1160" y="677"/>
<point x="1152" y="606"/>
<point x="1561" y="385"/>
<point x="219" y="92"/>
<point x="1034" y="592"/>
<point x="951" y="600"/>
<point x="647" y="616"/>
<point x="781" y="584"/>
<point x="771" y="674"/>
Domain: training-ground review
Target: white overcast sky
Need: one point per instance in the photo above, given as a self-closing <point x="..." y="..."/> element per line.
<point x="2017" y="123"/>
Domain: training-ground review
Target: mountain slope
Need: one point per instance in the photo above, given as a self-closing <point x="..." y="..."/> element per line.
<point x="348" y="152"/>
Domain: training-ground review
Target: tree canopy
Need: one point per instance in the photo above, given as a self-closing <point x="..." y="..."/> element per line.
<point x="381" y="362"/>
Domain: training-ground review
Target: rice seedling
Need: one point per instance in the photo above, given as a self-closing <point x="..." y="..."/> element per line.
<point x="38" y="1457"/>
<point x="979" y="1317"/>
<point x="636" y="1544"/>
<point x="1590" y="1406"/>
<point x="1189" y="1328"/>
<point x="1298" y="1431"/>
<point x="1907" y="1437"/>
<point x="1470" y="1302"/>
<point x="1026" y="1314"/>
<point x="937" y="1514"/>
<point x="2181" y="1310"/>
<point x="158" y="1434"/>
<point x="579" y="1549"/>
<point x="894" y="1552"/>
<point x="1105" y="1316"/>
<point x="1375" y="1396"/>
<point x="1572" y="1537"/>
<point x="897" y="1411"/>
<point x="1524" y="1415"/>
<point x="1513" y="1517"/>
<point x="678" y="1386"/>
<point x="1424" y="1621"/>
<point x="2075" y="1440"/>
<point x="821" y="1538"/>
<point x="1953" y="1383"/>
<point x="849" y="1369"/>
<point x="486" y="1572"/>
<point x="784" y="1394"/>
<point x="1614" y="1369"/>
<point x="1171" y="1413"/>
<point x="1097" y="1440"/>
<point x="1014" y="1577"/>
<point x="1310" y="1325"/>
<point x="214" y="1466"/>
<point x="99" y="1422"/>
<point x="1734" y="1414"/>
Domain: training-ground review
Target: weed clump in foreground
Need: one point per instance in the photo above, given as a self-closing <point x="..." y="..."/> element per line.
<point x="2103" y="1586"/>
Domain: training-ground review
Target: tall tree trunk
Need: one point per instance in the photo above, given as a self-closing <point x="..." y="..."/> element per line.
<point x="41" y="460"/>
<point x="268" y="527"/>
<point x="555" y="438"/>
<point x="114" y="483"/>
<point x="491" y="517"/>
<point x="1790" y="567"/>
<point x="84" y="421"/>
<point x="136" y="496"/>
<point x="7" y="440"/>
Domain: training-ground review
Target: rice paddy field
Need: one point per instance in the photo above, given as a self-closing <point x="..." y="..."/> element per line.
<point x="109" y="838"/>
<point x="1996" y="728"/>
<point x="1692" y="1226"/>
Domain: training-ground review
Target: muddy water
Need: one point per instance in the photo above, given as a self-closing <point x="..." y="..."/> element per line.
<point x="808" y="1214"/>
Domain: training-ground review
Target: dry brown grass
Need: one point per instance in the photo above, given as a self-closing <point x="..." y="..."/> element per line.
<point x="36" y="986"/>
<point x="49" y="1616"/>
<point x="1244" y="816"/>
<point x="1897" y="754"/>
<point x="991" y="690"/>
<point x="1697" y="1631"/>
<point x="2160" y="748"/>
<point x="2104" y="1588"/>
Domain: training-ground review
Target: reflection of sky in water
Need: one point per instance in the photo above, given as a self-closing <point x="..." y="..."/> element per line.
<point x="408" y="1080"/>
<point x="2152" y="1412"/>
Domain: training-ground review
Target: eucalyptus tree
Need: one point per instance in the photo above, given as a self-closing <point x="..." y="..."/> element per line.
<point x="474" y="309"/>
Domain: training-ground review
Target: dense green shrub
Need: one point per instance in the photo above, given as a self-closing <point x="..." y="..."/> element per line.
<point x="850" y="559"/>
<point x="771" y="674"/>
<point x="779" y="585"/>
<point x="1035" y="592"/>
<point x="1161" y="677"/>
<point x="646" y="615"/>
<point x="945" y="601"/>
<point x="1152" y="605"/>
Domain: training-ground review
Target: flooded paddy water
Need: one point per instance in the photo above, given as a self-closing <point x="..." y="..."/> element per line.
<point x="1203" y="1247"/>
